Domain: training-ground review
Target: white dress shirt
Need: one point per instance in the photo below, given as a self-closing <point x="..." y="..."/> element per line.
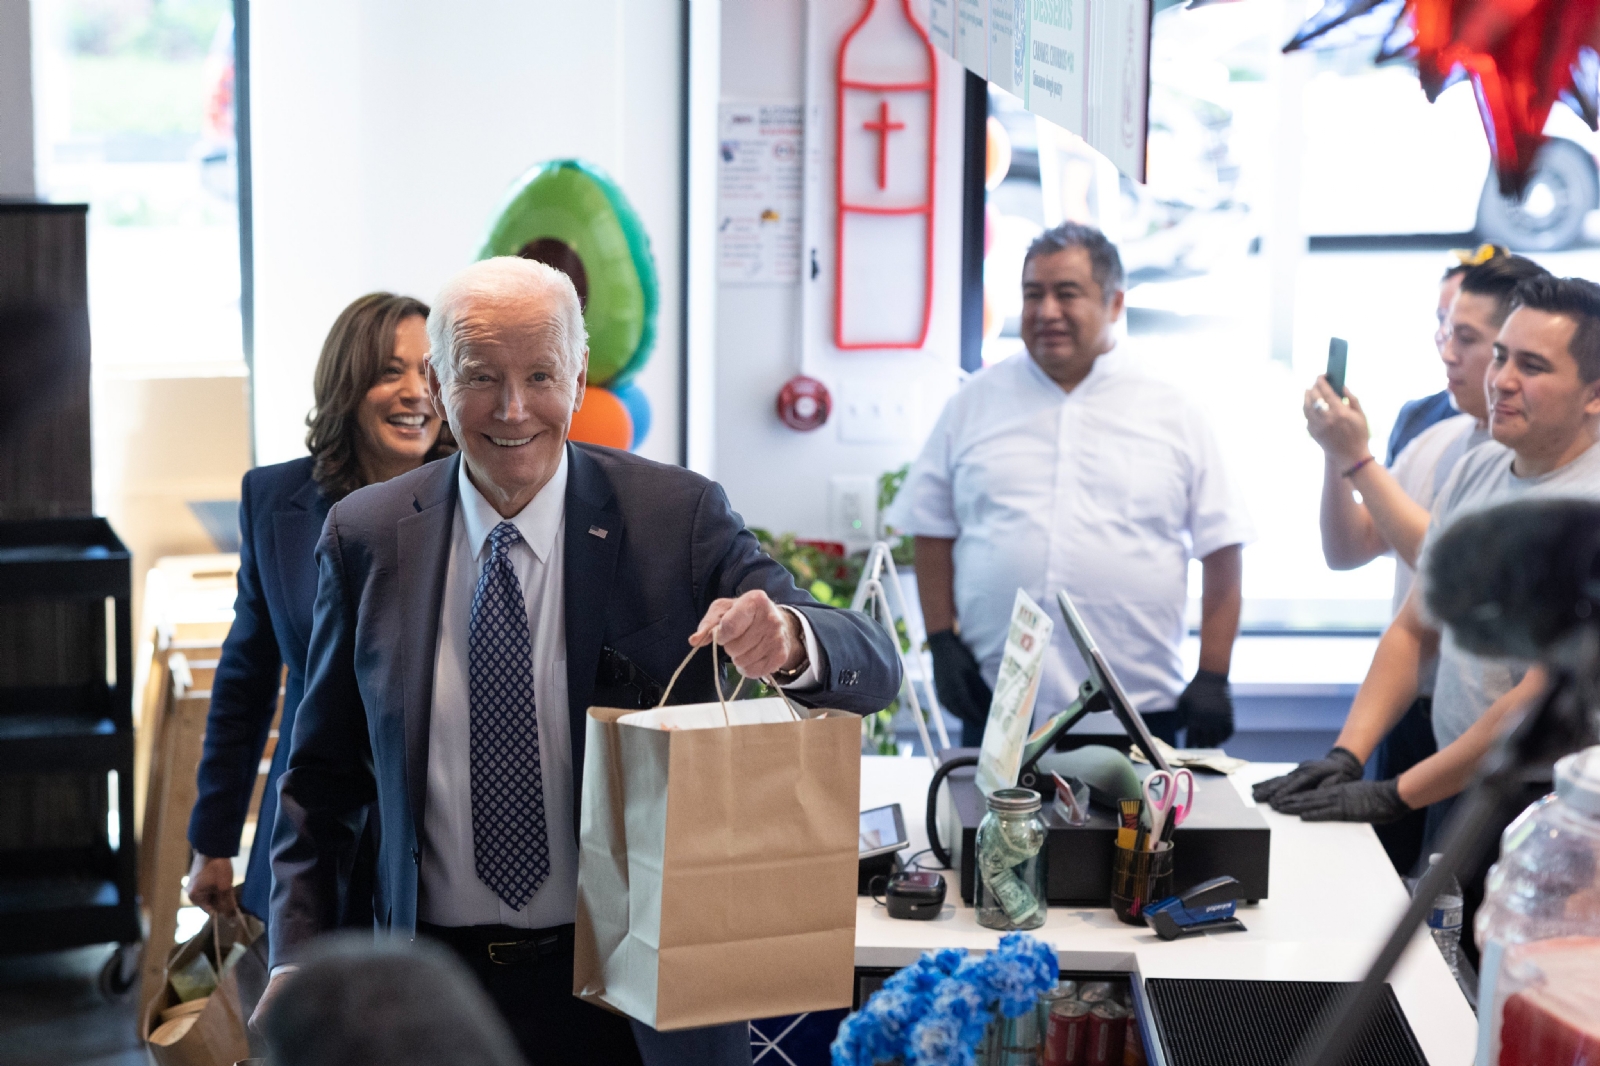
<point x="1107" y="492"/>
<point x="451" y="893"/>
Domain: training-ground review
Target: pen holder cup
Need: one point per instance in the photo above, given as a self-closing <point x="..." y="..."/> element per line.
<point x="1139" y="878"/>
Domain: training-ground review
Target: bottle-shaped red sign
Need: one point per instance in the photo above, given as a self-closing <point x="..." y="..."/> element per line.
<point x="884" y="160"/>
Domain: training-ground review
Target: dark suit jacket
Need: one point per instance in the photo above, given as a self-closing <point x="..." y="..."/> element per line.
<point x="648" y="547"/>
<point x="280" y="517"/>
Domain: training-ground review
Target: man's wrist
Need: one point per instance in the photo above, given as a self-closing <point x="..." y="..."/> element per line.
<point x="1352" y="761"/>
<point x="805" y="675"/>
<point x="798" y="659"/>
<point x="1355" y="466"/>
<point x="1408" y="787"/>
<point x="1396" y="802"/>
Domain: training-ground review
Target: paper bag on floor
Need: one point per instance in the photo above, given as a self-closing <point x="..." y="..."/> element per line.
<point x="717" y="862"/>
<point x="197" y="1020"/>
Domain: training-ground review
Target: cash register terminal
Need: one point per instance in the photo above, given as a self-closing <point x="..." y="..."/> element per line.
<point x="1224" y="835"/>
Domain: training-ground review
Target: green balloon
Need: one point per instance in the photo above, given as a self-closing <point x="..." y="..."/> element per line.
<point x="572" y="216"/>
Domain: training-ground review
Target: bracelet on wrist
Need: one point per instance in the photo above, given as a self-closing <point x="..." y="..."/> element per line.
<point x="1355" y="469"/>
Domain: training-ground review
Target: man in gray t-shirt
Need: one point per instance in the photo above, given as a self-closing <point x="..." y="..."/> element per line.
<point x="1468" y="685"/>
<point x="1544" y="415"/>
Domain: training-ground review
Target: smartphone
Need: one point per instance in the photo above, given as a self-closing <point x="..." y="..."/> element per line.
<point x="1338" y="350"/>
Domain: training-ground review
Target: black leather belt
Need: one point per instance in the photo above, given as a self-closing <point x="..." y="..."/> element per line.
<point x="504" y="945"/>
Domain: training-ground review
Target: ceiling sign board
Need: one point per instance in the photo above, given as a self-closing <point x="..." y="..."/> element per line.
<point x="1082" y="64"/>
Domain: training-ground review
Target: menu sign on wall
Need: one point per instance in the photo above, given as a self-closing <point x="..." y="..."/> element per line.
<point x="1082" y="64"/>
<point x="942" y="25"/>
<point x="972" y="35"/>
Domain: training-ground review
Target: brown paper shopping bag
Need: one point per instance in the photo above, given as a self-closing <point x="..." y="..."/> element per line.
<point x="210" y="1030"/>
<point x="717" y="861"/>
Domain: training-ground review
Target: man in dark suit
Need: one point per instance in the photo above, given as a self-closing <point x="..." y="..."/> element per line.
<point x="469" y="613"/>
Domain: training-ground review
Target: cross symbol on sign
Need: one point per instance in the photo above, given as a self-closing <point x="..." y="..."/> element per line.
<point x="883" y="127"/>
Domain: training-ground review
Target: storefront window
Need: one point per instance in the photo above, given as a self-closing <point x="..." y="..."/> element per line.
<point x="1388" y="185"/>
<point x="134" y="115"/>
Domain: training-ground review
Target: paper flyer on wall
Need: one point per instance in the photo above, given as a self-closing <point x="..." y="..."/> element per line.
<point x="1015" y="689"/>
<point x="760" y="184"/>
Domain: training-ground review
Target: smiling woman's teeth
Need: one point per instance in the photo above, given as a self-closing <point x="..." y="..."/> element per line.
<point x="506" y="443"/>
<point x="407" y="420"/>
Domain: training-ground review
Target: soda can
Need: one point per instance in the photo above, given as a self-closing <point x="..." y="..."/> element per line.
<point x="1133" y="1044"/>
<point x="1066" y="1033"/>
<point x="1108" y="1026"/>
<point x="1096" y="991"/>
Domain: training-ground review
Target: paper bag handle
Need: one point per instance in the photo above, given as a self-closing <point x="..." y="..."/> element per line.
<point x="716" y="681"/>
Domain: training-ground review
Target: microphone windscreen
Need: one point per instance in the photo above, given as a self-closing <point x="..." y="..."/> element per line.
<point x="1513" y="580"/>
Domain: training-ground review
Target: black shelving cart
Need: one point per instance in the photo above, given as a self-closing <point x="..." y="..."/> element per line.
<point x="67" y="852"/>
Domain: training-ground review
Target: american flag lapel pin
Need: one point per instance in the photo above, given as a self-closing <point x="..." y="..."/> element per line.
<point x="596" y="531"/>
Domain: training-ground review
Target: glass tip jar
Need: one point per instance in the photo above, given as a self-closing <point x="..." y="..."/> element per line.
<point x="1011" y="861"/>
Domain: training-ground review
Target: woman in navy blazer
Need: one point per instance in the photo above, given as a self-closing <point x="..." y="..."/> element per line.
<point x="372" y="421"/>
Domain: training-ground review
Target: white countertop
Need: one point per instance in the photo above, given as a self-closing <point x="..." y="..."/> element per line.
<point x="1334" y="899"/>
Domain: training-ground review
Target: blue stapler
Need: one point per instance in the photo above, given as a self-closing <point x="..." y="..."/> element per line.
<point x="1206" y="908"/>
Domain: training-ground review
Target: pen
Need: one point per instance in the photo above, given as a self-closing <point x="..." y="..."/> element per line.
<point x="1132" y="812"/>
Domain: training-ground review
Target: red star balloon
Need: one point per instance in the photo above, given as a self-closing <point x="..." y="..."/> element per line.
<point x="1521" y="55"/>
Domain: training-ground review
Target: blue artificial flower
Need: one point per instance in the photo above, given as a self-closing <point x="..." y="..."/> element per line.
<point x="934" y="1012"/>
<point x="937" y="1041"/>
<point x="1018" y="972"/>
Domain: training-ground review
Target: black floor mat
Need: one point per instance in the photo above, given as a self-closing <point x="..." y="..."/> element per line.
<point x="1261" y="1023"/>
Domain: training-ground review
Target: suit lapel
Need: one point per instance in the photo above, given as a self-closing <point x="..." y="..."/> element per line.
<point x="593" y="540"/>
<point x="295" y="530"/>
<point x="423" y="548"/>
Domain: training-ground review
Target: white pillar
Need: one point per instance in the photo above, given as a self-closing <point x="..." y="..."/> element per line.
<point x="703" y="81"/>
<point x="1283" y="237"/>
<point x="16" y="100"/>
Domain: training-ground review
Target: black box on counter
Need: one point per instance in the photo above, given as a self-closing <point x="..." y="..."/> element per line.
<point x="1222" y="835"/>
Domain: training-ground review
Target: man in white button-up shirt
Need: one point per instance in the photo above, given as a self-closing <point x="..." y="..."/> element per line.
<point x="467" y="617"/>
<point x="1062" y="467"/>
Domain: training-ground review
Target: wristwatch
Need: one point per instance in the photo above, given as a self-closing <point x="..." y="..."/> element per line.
<point x="788" y="677"/>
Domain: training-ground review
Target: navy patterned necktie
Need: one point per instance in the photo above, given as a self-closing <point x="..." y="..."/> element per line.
<point x="509" y="840"/>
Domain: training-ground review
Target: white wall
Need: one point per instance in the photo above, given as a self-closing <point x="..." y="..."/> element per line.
<point x="16" y="100"/>
<point x="777" y="477"/>
<point x="387" y="131"/>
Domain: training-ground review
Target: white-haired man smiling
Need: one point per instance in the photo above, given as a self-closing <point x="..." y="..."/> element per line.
<point x="469" y="614"/>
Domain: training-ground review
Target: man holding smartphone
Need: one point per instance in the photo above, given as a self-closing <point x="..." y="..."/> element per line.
<point x="1391" y="515"/>
<point x="1544" y="415"/>
<point x="1062" y="467"/>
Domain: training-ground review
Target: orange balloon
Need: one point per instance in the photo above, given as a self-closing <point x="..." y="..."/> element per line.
<point x="603" y="419"/>
<point x="993" y="322"/>
<point x="997" y="154"/>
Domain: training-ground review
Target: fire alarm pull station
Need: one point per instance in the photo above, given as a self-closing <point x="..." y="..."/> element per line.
<point x="883" y="160"/>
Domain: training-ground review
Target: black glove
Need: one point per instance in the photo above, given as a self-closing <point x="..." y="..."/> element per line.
<point x="1207" y="708"/>
<point x="958" y="679"/>
<point x="1349" y="801"/>
<point x="1335" y="768"/>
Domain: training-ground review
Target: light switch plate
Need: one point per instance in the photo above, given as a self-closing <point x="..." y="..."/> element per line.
<point x="876" y="411"/>
<point x="853" y="509"/>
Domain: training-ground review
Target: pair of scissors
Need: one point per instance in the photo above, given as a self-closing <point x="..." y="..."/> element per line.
<point x="1161" y="796"/>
